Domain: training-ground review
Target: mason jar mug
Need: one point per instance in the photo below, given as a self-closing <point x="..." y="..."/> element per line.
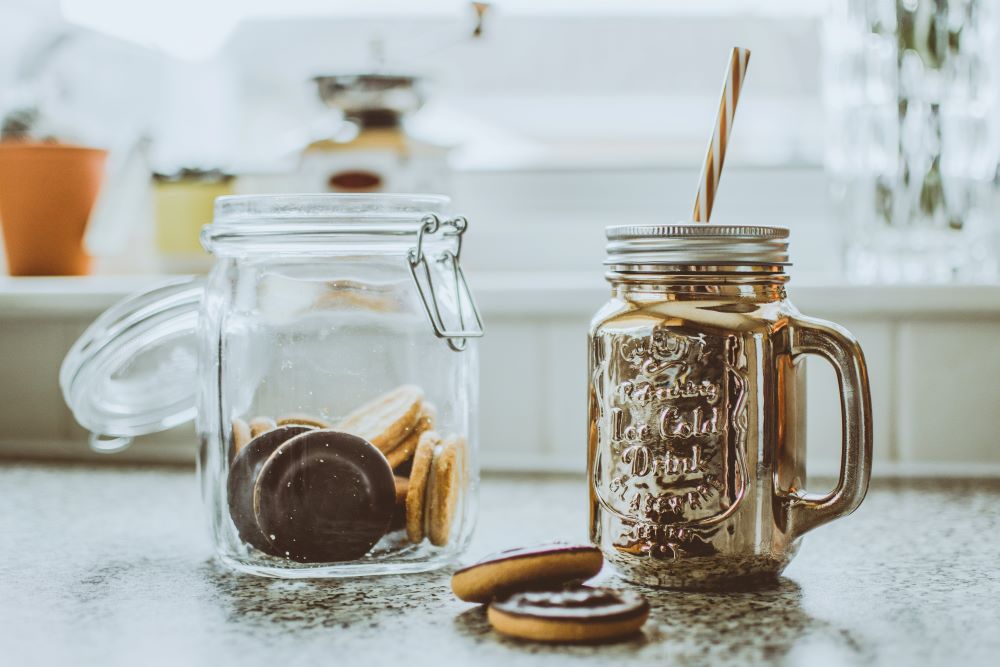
<point x="329" y="359"/>
<point x="697" y="451"/>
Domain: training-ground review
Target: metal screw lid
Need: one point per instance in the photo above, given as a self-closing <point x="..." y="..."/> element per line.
<point x="696" y="244"/>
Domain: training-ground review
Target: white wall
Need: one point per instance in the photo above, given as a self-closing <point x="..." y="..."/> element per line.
<point x="932" y="362"/>
<point x="607" y="130"/>
<point x="561" y="88"/>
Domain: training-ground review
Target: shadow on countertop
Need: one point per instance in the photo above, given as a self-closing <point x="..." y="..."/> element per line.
<point x="766" y="623"/>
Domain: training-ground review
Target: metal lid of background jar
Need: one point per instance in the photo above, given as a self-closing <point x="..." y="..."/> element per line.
<point x="193" y="175"/>
<point x="696" y="244"/>
<point x="400" y="93"/>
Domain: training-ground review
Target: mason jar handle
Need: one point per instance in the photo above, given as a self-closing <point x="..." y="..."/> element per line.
<point x="832" y="342"/>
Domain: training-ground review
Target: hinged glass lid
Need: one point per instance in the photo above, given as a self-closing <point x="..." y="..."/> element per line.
<point x="134" y="370"/>
<point x="310" y="222"/>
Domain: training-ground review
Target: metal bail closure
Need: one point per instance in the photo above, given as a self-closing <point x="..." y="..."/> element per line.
<point x="461" y="295"/>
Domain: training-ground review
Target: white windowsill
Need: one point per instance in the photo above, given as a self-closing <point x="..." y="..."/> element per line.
<point x="555" y="293"/>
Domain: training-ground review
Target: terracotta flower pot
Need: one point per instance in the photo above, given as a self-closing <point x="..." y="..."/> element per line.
<point x="46" y="194"/>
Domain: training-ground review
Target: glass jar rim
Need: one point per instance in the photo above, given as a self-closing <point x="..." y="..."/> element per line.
<point x="326" y="206"/>
<point x="311" y="217"/>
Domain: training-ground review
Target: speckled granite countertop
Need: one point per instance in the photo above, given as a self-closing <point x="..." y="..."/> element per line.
<point x="111" y="566"/>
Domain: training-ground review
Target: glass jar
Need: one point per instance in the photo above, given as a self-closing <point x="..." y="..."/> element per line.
<point x="697" y="451"/>
<point x="330" y="361"/>
<point x="909" y="92"/>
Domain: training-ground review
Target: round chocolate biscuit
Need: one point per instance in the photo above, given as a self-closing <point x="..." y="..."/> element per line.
<point x="243" y="473"/>
<point x="524" y="569"/>
<point x="399" y="513"/>
<point x="576" y="615"/>
<point x="324" y="496"/>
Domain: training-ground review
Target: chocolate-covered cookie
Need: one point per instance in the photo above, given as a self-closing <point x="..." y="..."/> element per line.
<point x="523" y="569"/>
<point x="242" y="475"/>
<point x="324" y="496"/>
<point x="582" y="614"/>
<point x="398" y="521"/>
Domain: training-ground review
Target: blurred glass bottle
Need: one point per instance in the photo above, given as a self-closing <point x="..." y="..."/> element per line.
<point x="371" y="150"/>
<point x="909" y="88"/>
<point x="183" y="203"/>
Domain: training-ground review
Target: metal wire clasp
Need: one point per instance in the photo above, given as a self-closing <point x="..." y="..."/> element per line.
<point x="420" y="271"/>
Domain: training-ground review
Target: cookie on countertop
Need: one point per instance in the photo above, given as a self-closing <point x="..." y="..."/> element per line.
<point x="526" y="569"/>
<point x="577" y="615"/>
<point x="416" y="494"/>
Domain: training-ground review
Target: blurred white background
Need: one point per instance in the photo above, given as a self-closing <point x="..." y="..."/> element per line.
<point x="563" y="117"/>
<point x="605" y="107"/>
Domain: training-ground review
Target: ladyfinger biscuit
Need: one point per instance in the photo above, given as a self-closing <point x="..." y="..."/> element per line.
<point x="402" y="452"/>
<point x="260" y="425"/>
<point x="303" y="420"/>
<point x="402" y="486"/>
<point x="416" y="494"/>
<point x="388" y="419"/>
<point x="241" y="435"/>
<point x="445" y="488"/>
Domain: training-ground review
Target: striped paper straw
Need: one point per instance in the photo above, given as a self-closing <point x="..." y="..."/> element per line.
<point x="712" y="171"/>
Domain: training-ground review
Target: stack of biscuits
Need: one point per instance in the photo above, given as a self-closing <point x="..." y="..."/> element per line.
<point x="538" y="594"/>
<point x="428" y="473"/>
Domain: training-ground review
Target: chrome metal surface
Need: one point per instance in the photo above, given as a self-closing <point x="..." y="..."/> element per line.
<point x="354" y="93"/>
<point x="643" y="246"/>
<point x="697" y="451"/>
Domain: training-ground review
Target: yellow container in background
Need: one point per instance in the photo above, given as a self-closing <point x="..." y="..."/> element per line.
<point x="183" y="204"/>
